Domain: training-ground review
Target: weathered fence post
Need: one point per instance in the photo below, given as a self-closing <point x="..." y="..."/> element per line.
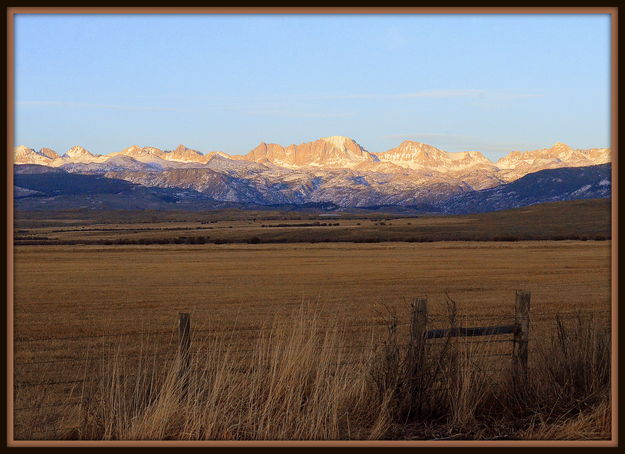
<point x="418" y="322"/>
<point x="184" y="344"/>
<point x="521" y="335"/>
<point x="416" y="353"/>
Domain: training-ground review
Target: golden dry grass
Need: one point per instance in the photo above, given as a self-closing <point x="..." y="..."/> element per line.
<point x="233" y="290"/>
<point x="301" y="382"/>
<point x="592" y="424"/>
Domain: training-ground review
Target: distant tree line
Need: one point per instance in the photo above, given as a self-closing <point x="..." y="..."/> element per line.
<point x="26" y="240"/>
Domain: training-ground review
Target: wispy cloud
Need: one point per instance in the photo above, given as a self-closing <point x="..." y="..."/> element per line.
<point x="443" y="93"/>
<point x="439" y="93"/>
<point x="297" y="114"/>
<point x="125" y="107"/>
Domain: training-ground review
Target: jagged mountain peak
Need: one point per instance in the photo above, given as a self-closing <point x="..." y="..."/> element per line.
<point x="132" y="149"/>
<point x="49" y="153"/>
<point x="517" y="163"/>
<point x="137" y="151"/>
<point x="218" y="155"/>
<point x="410" y="163"/>
<point x="78" y="152"/>
<point x="559" y="146"/>
<point x="23" y="148"/>
<point x="416" y="155"/>
<point x="416" y="145"/>
<point x="329" y="152"/>
<point x="339" y="142"/>
<point x="183" y="149"/>
<point x="410" y="149"/>
<point x="184" y="154"/>
<point x="331" y="169"/>
<point x="24" y="155"/>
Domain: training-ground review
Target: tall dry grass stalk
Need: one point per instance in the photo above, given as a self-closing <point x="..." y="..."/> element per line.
<point x="295" y="383"/>
<point x="437" y="383"/>
<point x="572" y="368"/>
<point x="300" y="381"/>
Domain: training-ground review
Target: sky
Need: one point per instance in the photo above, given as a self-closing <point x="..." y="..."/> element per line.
<point x="491" y="83"/>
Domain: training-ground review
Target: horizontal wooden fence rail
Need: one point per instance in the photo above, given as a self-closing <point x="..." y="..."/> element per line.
<point x="519" y="330"/>
<point x="470" y="332"/>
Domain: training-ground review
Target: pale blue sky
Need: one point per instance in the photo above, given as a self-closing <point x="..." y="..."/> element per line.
<point x="493" y="83"/>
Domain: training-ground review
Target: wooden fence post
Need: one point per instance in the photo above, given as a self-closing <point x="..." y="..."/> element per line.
<point x="184" y="344"/>
<point x="419" y="321"/>
<point x="521" y="335"/>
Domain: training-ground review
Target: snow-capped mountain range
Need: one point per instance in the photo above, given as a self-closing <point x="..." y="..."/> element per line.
<point x="333" y="169"/>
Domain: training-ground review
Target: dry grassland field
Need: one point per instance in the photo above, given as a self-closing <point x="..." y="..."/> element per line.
<point x="79" y="290"/>
<point x="75" y="304"/>
<point x="577" y="220"/>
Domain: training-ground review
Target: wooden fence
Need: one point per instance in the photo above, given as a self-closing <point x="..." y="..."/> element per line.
<point x="419" y="334"/>
<point x="50" y="378"/>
